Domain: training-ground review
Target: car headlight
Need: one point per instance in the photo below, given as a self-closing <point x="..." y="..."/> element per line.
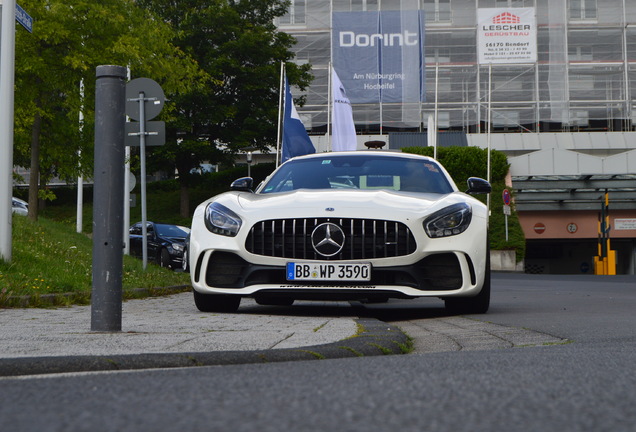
<point x="449" y="221"/>
<point x="177" y="246"/>
<point x="221" y="220"/>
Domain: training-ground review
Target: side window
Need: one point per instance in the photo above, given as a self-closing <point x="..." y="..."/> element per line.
<point x="296" y="14"/>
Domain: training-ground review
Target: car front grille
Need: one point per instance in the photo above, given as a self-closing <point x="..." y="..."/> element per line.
<point x="364" y="239"/>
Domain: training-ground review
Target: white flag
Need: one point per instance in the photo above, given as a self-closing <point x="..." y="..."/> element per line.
<point x="343" y="130"/>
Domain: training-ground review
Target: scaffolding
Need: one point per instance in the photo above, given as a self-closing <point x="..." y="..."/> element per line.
<point x="582" y="80"/>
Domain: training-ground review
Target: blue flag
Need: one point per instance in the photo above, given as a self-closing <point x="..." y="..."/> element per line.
<point x="296" y="142"/>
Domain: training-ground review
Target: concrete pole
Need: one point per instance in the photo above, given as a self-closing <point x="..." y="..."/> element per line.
<point x="7" y="79"/>
<point x="108" y="209"/>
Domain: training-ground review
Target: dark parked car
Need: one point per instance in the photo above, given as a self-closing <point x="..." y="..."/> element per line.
<point x="165" y="243"/>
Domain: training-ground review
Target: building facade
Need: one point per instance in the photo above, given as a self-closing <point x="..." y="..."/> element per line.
<point x="565" y="120"/>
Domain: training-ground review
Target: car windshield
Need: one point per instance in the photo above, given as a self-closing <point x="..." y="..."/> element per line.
<point x="171" y="230"/>
<point x="360" y="172"/>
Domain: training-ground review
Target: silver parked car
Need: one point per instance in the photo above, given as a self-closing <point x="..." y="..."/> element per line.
<point x="19" y="206"/>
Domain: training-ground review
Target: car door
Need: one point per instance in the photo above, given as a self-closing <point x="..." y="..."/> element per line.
<point x="154" y="242"/>
<point x="134" y="239"/>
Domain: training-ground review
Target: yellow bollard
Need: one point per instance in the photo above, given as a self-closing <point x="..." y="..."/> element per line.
<point x="611" y="263"/>
<point x="598" y="266"/>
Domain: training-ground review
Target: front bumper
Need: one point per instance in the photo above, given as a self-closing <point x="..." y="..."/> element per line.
<point x="441" y="274"/>
<point x="439" y="267"/>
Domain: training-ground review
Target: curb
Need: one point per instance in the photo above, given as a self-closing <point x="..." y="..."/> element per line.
<point x="84" y="298"/>
<point x="378" y="338"/>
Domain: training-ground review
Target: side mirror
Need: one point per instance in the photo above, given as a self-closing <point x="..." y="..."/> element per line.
<point x="478" y="185"/>
<point x="243" y="184"/>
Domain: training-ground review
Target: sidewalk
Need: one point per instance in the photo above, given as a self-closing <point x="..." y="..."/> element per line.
<point x="170" y="332"/>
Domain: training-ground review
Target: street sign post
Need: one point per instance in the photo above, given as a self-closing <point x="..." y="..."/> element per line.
<point x="154" y="98"/>
<point x="505" y="195"/>
<point x="155" y="133"/>
<point x="144" y="101"/>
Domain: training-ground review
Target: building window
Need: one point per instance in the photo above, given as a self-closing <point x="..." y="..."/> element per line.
<point x="296" y="14"/>
<point x="583" y="9"/>
<point x="437" y="10"/>
<point x="438" y="55"/>
<point x="580" y="53"/>
<point x="364" y="5"/>
<point x="514" y="3"/>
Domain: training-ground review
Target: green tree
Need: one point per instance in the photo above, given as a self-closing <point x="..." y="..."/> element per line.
<point x="70" y="39"/>
<point x="238" y="45"/>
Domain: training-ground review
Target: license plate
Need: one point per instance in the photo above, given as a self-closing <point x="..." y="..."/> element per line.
<point x="319" y="271"/>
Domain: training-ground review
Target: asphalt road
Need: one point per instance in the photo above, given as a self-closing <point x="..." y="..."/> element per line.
<point x="578" y="375"/>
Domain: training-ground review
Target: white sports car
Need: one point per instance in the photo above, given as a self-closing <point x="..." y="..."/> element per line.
<point x="365" y="225"/>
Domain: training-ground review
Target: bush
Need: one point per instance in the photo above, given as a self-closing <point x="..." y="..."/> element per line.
<point x="464" y="162"/>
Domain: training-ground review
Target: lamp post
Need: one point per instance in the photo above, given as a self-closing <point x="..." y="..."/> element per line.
<point x="249" y="163"/>
<point x="248" y="156"/>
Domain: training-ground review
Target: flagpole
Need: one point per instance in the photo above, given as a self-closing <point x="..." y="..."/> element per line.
<point x="436" y="119"/>
<point x="280" y="108"/>
<point x="489" y="130"/>
<point x="329" y="78"/>
<point x="329" y="98"/>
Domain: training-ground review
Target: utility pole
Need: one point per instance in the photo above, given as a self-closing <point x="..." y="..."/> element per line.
<point x="7" y="79"/>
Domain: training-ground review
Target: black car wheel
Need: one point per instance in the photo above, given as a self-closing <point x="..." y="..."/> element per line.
<point x="216" y="302"/>
<point x="164" y="258"/>
<point x="185" y="265"/>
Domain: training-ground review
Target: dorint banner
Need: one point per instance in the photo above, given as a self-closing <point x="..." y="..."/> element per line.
<point x="379" y="56"/>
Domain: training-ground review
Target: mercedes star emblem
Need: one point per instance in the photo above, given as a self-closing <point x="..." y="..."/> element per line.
<point x="327" y="239"/>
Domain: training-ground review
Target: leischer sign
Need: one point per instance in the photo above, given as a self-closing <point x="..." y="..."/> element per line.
<point x="507" y="35"/>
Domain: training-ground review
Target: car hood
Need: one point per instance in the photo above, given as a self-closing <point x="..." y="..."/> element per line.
<point x="342" y="203"/>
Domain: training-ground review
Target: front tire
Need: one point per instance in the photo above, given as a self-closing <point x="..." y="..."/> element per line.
<point x="185" y="265"/>
<point x="164" y="258"/>
<point x="216" y="302"/>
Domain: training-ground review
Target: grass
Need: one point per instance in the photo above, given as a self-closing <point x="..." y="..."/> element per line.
<point x="49" y="257"/>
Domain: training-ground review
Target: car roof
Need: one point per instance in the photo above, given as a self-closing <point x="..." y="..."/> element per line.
<point x="363" y="153"/>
